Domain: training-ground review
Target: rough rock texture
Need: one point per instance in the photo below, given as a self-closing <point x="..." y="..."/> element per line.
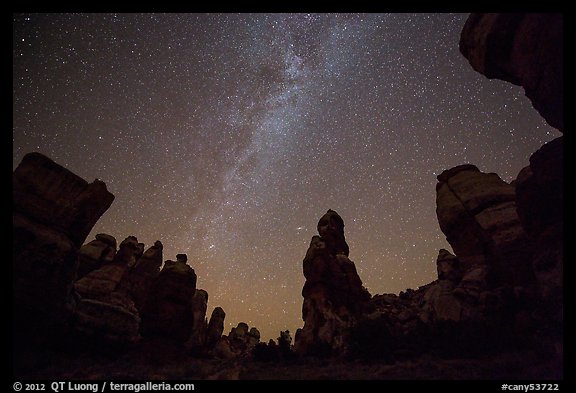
<point x="169" y="308"/>
<point x="527" y="50"/>
<point x="524" y="49"/>
<point x="477" y="213"/>
<point x="243" y="339"/>
<point x="53" y="212"/>
<point x="540" y="201"/>
<point x="103" y="281"/>
<point x="93" y="255"/>
<point x="54" y="197"/>
<point x="137" y="280"/>
<point x="215" y="327"/>
<point x="112" y="318"/>
<point x="105" y="308"/>
<point x="333" y="293"/>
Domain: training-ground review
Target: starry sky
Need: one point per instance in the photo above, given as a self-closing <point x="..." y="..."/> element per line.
<point x="227" y="136"/>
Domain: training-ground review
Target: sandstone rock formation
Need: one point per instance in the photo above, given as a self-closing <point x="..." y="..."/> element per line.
<point x="239" y="343"/>
<point x="540" y="201"/>
<point x="333" y="293"/>
<point x="93" y="255"/>
<point x="169" y="308"/>
<point x="105" y="308"/>
<point x="137" y="280"/>
<point x="527" y="50"/>
<point x="477" y="213"/>
<point x="102" y="282"/>
<point x="524" y="49"/>
<point x="200" y="325"/>
<point x="53" y="212"/>
<point x="215" y="327"/>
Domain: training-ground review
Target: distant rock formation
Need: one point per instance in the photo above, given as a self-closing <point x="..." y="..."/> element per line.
<point x="524" y="49"/>
<point x="103" y="281"/>
<point x="239" y="342"/>
<point x="137" y="281"/>
<point x="333" y="293"/>
<point x="53" y="212"/>
<point x="503" y="288"/>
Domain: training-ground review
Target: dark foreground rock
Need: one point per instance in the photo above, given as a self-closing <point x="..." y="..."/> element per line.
<point x="53" y="212"/>
<point x="524" y="49"/>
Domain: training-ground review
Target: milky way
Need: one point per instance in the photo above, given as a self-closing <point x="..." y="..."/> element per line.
<point x="227" y="136"/>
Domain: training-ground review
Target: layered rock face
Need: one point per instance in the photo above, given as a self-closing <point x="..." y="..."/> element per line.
<point x="53" y="212"/>
<point x="524" y="49"/>
<point x="333" y="293"/>
<point x="477" y="213"/>
<point x="93" y="255"/>
<point x="200" y="324"/>
<point x="527" y="50"/>
<point x="105" y="306"/>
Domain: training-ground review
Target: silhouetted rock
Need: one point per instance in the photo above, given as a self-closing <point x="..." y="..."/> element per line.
<point x="200" y="326"/>
<point x="93" y="255"/>
<point x="105" y="307"/>
<point x="448" y="266"/>
<point x="242" y="339"/>
<point x="524" y="49"/>
<point x="169" y="310"/>
<point x="137" y="280"/>
<point x="223" y="349"/>
<point x="333" y="292"/>
<point x="103" y="281"/>
<point x="540" y="201"/>
<point x="53" y="212"/>
<point x="215" y="327"/>
<point x="253" y="337"/>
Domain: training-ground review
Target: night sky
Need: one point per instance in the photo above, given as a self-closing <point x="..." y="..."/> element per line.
<point x="227" y="136"/>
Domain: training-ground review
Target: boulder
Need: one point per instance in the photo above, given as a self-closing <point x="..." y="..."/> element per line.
<point x="448" y="266"/>
<point x="102" y="282"/>
<point x="540" y="201"/>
